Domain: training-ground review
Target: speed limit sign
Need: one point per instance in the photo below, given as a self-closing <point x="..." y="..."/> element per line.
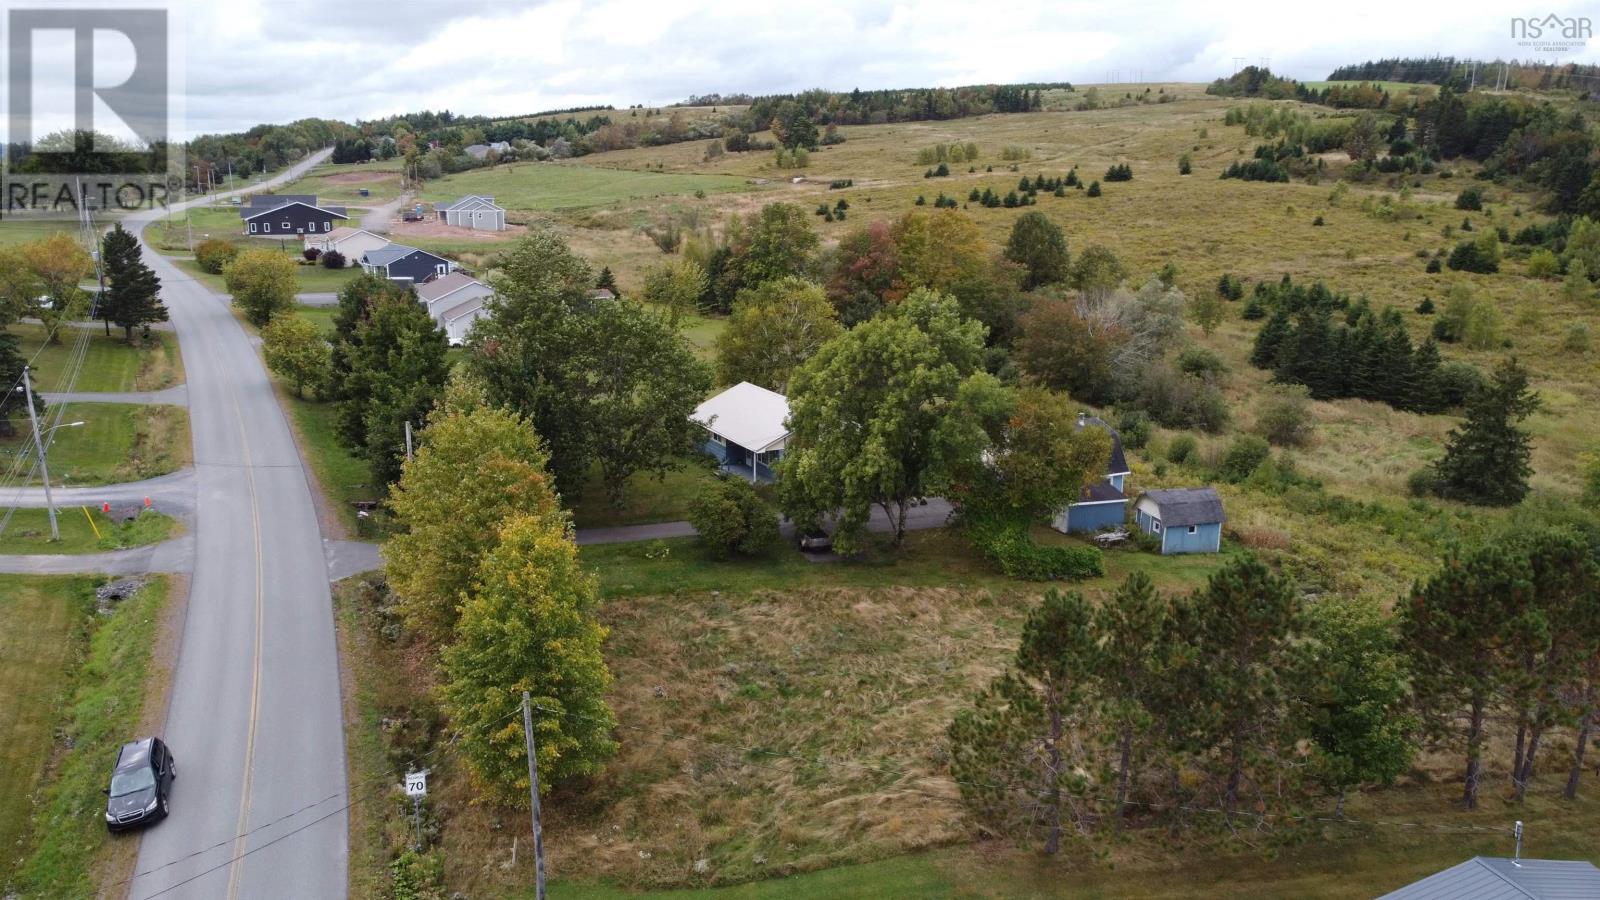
<point x="416" y="784"/>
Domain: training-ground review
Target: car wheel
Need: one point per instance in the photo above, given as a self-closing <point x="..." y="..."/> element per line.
<point x="161" y="809"/>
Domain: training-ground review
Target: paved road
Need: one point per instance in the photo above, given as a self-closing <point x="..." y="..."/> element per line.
<point x="176" y="555"/>
<point x="254" y="719"/>
<point x="175" y="396"/>
<point x="933" y="514"/>
<point x="172" y="494"/>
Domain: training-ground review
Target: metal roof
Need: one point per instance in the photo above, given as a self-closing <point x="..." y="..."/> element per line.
<point x="747" y="414"/>
<point x="383" y="256"/>
<point x="1188" y="506"/>
<point x="252" y="212"/>
<point x="1498" y="878"/>
<point x="461" y="202"/>
<point x="449" y="284"/>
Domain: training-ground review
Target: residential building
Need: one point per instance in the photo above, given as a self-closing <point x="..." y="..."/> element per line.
<point x="288" y="215"/>
<point x="1498" y="878"/>
<point x="473" y="211"/>
<point x="1102" y="504"/>
<point x="746" y="427"/>
<point x="1188" y="520"/>
<point x="455" y="302"/>
<point x="398" y="262"/>
<point x="348" y="242"/>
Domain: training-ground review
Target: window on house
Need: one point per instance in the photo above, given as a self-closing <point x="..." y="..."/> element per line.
<point x="252" y="228"/>
<point x="1193" y="528"/>
<point x="718" y="439"/>
<point x="266" y="226"/>
<point x="1155" y="526"/>
<point x="328" y="225"/>
<point x="286" y="225"/>
<point x="440" y="269"/>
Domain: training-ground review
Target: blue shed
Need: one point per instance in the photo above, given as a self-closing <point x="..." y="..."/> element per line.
<point x="1102" y="504"/>
<point x="1188" y="520"/>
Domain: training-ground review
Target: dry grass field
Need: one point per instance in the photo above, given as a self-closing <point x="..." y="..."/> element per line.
<point x="785" y="717"/>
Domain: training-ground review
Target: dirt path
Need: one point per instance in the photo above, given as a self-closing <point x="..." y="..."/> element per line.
<point x="379" y="218"/>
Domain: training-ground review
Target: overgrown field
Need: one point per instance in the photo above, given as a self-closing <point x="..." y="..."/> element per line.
<point x="75" y="685"/>
<point x="116" y="442"/>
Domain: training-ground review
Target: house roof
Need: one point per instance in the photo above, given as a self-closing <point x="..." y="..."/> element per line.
<point x="1117" y="463"/>
<point x="468" y="200"/>
<point x="344" y="232"/>
<point x="747" y="414"/>
<point x="449" y="284"/>
<point x="465" y="309"/>
<point x="601" y="294"/>
<point x="1188" y="506"/>
<point x="251" y="212"/>
<point x="272" y="201"/>
<point x="1100" y="492"/>
<point x="383" y="256"/>
<point x="1497" y="878"/>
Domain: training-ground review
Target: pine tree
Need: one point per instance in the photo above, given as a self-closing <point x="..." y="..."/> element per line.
<point x="133" y="298"/>
<point x="1130" y="629"/>
<point x="1270" y="340"/>
<point x="1011" y="751"/>
<point x="607" y="281"/>
<point x="1487" y="457"/>
<point x="11" y="364"/>
<point x="1425" y="396"/>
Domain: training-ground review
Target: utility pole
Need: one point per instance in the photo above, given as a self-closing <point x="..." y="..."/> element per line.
<point x="408" y="440"/>
<point x="533" y="785"/>
<point x="38" y="446"/>
<point x="1237" y="62"/>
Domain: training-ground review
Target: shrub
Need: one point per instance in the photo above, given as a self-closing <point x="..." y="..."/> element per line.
<point x="333" y="259"/>
<point x="1134" y="426"/>
<point x="1424" y="482"/>
<point x="1244" y="456"/>
<point x="1094" y="189"/>
<point x="1425" y="308"/>
<point x="1185" y="164"/>
<point x="1577" y="339"/>
<point x="1433" y="267"/>
<point x="212" y="254"/>
<point x="1182" y="449"/>
<point x="310" y="254"/>
<point x="1283" y="415"/>
<point x="1008" y="546"/>
<point x="1543" y="264"/>
<point x="1202" y="363"/>
<point x="1317" y="222"/>
<point x="732" y="519"/>
<point x="1470" y="198"/>
<point x="1456" y="382"/>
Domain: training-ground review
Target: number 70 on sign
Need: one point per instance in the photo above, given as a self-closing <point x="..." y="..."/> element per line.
<point x="416" y="784"/>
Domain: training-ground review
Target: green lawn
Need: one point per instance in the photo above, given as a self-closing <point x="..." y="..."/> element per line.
<point x="15" y="231"/>
<point x="94" y="702"/>
<point x="117" y="442"/>
<point x="344" y="477"/>
<point x="29" y="531"/>
<point x="312" y="278"/>
<point x="648" y="498"/>
<point x="320" y="316"/>
<point x="342" y="184"/>
<point x="46" y="629"/>
<point x="1397" y="88"/>
<point x="546" y="186"/>
<point x="938" y="557"/>
<point x="109" y="363"/>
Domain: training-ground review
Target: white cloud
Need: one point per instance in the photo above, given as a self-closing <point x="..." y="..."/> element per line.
<point x="250" y="61"/>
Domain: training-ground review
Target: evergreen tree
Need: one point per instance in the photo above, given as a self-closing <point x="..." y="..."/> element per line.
<point x="1013" y="752"/>
<point x="1425" y="396"/>
<point x="1131" y="630"/>
<point x="1487" y="457"/>
<point x="1039" y="246"/>
<point x="397" y="370"/>
<point x="13" y="403"/>
<point x="133" y="297"/>
<point x="607" y="281"/>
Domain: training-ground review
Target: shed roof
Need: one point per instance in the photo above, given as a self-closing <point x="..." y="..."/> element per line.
<point x="1188" y="506"/>
<point x="1498" y="878"/>
<point x="1099" y="492"/>
<point x="747" y="414"/>
<point x="468" y="200"/>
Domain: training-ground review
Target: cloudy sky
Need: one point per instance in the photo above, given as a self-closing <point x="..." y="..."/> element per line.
<point x="249" y="61"/>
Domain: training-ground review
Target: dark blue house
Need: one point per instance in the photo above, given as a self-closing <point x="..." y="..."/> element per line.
<point x="1103" y="504"/>
<point x="1188" y="520"/>
<point x="288" y="215"/>
<point x="397" y="262"/>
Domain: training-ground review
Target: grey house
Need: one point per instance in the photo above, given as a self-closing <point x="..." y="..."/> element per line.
<point x="1498" y="878"/>
<point x="397" y="262"/>
<point x="473" y="211"/>
<point x="1188" y="520"/>
<point x="1102" y="504"/>
<point x="288" y="215"/>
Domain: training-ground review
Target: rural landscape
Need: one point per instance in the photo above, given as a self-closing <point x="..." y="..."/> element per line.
<point x="1116" y="488"/>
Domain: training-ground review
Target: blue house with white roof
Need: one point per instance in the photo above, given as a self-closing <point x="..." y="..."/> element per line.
<point x="746" y="429"/>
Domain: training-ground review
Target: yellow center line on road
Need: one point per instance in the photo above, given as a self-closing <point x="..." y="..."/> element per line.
<point x="236" y="869"/>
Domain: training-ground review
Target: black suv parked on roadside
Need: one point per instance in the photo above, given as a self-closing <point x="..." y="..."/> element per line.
<point x="140" y="784"/>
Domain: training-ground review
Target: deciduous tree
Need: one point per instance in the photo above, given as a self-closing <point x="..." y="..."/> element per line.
<point x="1040" y="247"/>
<point x="296" y="351"/>
<point x="263" y="284"/>
<point x="773" y="330"/>
<point x="528" y="624"/>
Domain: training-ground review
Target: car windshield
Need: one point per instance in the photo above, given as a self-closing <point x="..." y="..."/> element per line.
<point x="124" y="783"/>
